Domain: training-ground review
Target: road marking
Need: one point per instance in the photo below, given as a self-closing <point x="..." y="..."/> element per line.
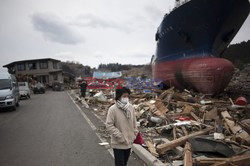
<point x="90" y="123"/>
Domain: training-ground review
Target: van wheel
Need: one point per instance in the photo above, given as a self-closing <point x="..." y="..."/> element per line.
<point x="28" y="96"/>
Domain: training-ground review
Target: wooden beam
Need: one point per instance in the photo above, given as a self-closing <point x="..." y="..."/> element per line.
<point x="235" y="128"/>
<point x="239" y="160"/>
<point x="160" y="106"/>
<point x="208" y="161"/>
<point x="152" y="149"/>
<point x="174" y="132"/>
<point x="236" y="160"/>
<point x="188" y="160"/>
<point x="165" y="93"/>
<point x="161" y="149"/>
<point x="195" y="117"/>
<point x="212" y="114"/>
<point x="184" y="130"/>
<point x="187" y="103"/>
<point x="187" y="109"/>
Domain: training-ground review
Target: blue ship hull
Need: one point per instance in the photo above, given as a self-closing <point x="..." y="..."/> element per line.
<point x="190" y="41"/>
<point x="200" y="28"/>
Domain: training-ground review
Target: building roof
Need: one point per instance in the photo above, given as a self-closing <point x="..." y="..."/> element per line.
<point x="107" y="75"/>
<point x="30" y="60"/>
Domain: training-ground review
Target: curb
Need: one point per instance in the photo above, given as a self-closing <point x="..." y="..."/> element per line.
<point x="145" y="156"/>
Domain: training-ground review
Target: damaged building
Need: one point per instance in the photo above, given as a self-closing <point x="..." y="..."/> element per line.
<point x="45" y="70"/>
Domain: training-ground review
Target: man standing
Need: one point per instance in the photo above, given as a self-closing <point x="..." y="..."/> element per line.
<point x="83" y="86"/>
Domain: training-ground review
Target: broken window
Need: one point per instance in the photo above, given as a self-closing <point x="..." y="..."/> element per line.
<point x="32" y="66"/>
<point x="21" y="67"/>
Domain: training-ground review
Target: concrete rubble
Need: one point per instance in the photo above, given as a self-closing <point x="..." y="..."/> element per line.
<point x="184" y="127"/>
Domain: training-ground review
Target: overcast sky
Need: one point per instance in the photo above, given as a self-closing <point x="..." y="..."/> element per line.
<point x="88" y="31"/>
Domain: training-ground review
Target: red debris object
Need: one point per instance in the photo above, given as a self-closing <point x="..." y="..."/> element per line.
<point x="241" y="101"/>
<point x="183" y="118"/>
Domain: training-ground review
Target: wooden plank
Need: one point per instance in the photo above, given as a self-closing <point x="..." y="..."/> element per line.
<point x="184" y="130"/>
<point x="195" y="117"/>
<point x="188" y="160"/>
<point x="161" y="149"/>
<point x="239" y="160"/>
<point x="165" y="93"/>
<point x="212" y="114"/>
<point x="235" y="128"/>
<point x="174" y="132"/>
<point x="203" y="118"/>
<point x="152" y="149"/>
<point x="208" y="161"/>
<point x="174" y="115"/>
<point x="188" y="109"/>
<point x="160" y="106"/>
<point x="187" y="103"/>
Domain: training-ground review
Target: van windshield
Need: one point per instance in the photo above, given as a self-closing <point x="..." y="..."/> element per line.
<point x="5" y="84"/>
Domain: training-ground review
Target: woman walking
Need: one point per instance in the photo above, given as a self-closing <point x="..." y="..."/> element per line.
<point x="121" y="124"/>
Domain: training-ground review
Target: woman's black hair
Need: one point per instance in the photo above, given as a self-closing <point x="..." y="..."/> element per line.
<point x="120" y="92"/>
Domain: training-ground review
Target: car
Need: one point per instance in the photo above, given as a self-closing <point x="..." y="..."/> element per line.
<point x="58" y="86"/>
<point x="9" y="91"/>
<point x="38" y="88"/>
<point x="24" y="89"/>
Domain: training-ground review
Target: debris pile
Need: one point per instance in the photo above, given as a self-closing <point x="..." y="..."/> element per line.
<point x="186" y="127"/>
<point x="240" y="82"/>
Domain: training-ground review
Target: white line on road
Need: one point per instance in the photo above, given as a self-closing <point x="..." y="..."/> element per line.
<point x="90" y="123"/>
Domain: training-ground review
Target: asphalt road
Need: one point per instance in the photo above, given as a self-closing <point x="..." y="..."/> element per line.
<point x="49" y="130"/>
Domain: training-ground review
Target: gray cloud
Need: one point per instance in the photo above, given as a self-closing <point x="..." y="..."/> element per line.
<point x="139" y="55"/>
<point x="93" y="21"/>
<point x="154" y="13"/>
<point x="54" y="29"/>
<point x="243" y="34"/>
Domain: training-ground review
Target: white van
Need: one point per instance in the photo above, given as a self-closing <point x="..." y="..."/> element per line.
<point x="24" y="89"/>
<point x="9" y="91"/>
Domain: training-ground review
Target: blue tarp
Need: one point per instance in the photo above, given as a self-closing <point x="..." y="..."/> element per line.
<point x="107" y="75"/>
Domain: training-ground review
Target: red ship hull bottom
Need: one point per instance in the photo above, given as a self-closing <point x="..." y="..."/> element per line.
<point x="206" y="75"/>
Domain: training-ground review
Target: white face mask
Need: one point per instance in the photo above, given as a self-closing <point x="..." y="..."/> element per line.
<point x="124" y="100"/>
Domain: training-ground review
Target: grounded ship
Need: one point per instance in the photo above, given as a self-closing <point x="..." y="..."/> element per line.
<point x="191" y="40"/>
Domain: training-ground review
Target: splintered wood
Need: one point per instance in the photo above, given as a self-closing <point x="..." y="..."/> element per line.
<point x="161" y="107"/>
<point x="181" y="115"/>
<point x="243" y="160"/>
<point x="188" y="160"/>
<point x="236" y="129"/>
<point x="161" y="149"/>
<point x="152" y="149"/>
